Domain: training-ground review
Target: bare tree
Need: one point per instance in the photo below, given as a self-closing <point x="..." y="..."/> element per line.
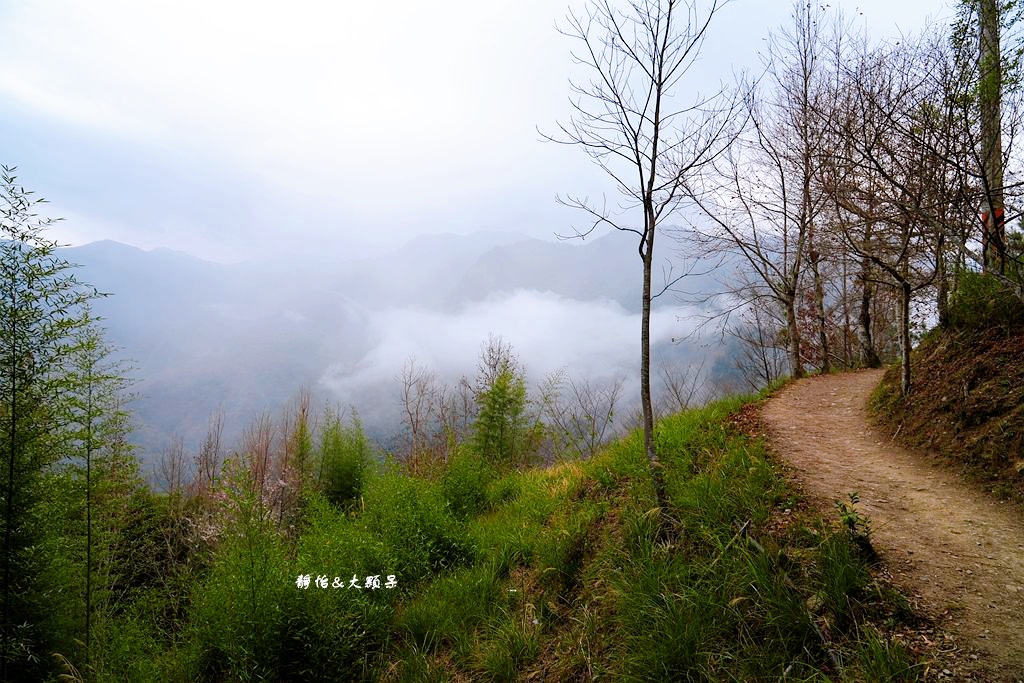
<point x="980" y="77"/>
<point x="420" y="396"/>
<point x="629" y="123"/>
<point x="682" y="387"/>
<point x="456" y="411"/>
<point x="172" y="466"/>
<point x="761" y="334"/>
<point x="257" y="451"/>
<point x="211" y="453"/>
<point x="893" y="192"/>
<point x="760" y="198"/>
<point x="582" y="413"/>
<point x="294" y="462"/>
<point x="496" y="357"/>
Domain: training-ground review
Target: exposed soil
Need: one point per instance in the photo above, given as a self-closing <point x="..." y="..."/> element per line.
<point x="956" y="553"/>
<point x="967" y="405"/>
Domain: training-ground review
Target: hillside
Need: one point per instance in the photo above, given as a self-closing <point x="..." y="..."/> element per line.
<point x="549" y="574"/>
<point x="966" y="406"/>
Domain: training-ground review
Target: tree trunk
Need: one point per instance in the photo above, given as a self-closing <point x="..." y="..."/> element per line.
<point x="942" y="285"/>
<point x="88" y="514"/>
<point x="847" y="327"/>
<point x="819" y="312"/>
<point x="795" y="364"/>
<point x="993" y="238"/>
<point x="645" y="375"/>
<point x="12" y="434"/>
<point x="868" y="356"/>
<point x="905" y="337"/>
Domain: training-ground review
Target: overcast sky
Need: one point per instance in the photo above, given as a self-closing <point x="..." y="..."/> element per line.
<point x="237" y="130"/>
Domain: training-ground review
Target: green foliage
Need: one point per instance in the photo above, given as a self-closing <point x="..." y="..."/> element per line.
<point x="344" y="458"/>
<point x="858" y="526"/>
<point x="128" y="649"/>
<point x="561" y="570"/>
<point x="237" y="617"/>
<point x="152" y="559"/>
<point x="721" y="606"/>
<point x="100" y="461"/>
<point x="447" y="610"/>
<point x="423" y="536"/>
<point x="1015" y="247"/>
<point x="880" y="659"/>
<point x="561" y="556"/>
<point x="499" y="430"/>
<point x="842" y="577"/>
<point x="507" y="644"/>
<point x="465" y="483"/>
<point x="725" y="601"/>
<point x="329" y="630"/>
<point x="981" y="303"/>
<point x="43" y="317"/>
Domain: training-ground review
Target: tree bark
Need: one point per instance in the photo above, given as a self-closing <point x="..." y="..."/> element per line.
<point x="905" y="337"/>
<point x="795" y="364"/>
<point x="819" y="312"/>
<point x="868" y="356"/>
<point x="990" y="94"/>
<point x="650" y="449"/>
<point x="847" y="327"/>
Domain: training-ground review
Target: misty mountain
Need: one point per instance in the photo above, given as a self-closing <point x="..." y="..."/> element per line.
<point x="245" y="338"/>
<point x="584" y="271"/>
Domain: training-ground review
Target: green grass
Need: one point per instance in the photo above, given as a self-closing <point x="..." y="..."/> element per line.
<point x="576" y="582"/>
<point x="566" y="573"/>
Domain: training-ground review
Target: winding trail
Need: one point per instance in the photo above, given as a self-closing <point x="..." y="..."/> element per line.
<point x="948" y="546"/>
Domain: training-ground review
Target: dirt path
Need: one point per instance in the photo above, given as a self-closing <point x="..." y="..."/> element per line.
<point x="948" y="546"/>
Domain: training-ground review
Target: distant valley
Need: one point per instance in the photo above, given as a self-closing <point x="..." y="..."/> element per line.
<point x="245" y="338"/>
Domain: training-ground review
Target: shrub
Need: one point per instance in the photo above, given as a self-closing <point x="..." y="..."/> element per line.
<point x="336" y="629"/>
<point x="982" y="302"/>
<point x="498" y="433"/>
<point x="237" y="615"/>
<point x="344" y="457"/>
<point x="412" y="518"/>
<point x="465" y="483"/>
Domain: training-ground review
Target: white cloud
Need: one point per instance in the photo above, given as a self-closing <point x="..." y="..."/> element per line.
<point x="384" y="118"/>
<point x="595" y="339"/>
<point x="81" y="110"/>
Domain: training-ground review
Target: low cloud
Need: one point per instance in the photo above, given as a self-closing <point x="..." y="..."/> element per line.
<point x="598" y="340"/>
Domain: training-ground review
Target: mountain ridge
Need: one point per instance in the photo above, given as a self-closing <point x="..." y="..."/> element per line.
<point x="243" y="338"/>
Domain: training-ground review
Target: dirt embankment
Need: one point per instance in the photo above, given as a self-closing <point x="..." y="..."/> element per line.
<point x="950" y="548"/>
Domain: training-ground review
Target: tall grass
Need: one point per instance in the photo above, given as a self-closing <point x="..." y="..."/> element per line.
<point x="557" y="574"/>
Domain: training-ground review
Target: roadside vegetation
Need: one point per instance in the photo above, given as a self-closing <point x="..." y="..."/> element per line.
<point x="504" y="573"/>
<point x="967" y="408"/>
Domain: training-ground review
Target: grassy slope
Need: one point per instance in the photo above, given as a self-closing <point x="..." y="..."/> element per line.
<point x="545" y="575"/>
<point x="569" y="581"/>
<point x="966" y="406"/>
